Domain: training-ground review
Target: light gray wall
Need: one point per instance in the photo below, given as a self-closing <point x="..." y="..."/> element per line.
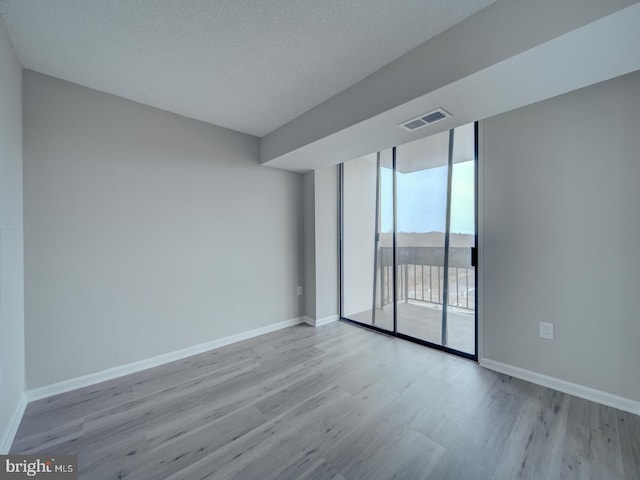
<point x="320" y="206"/>
<point x="12" y="364"/>
<point x="560" y="236"/>
<point x="309" y="226"/>
<point x="145" y="232"/>
<point x="326" y="241"/>
<point x="359" y="219"/>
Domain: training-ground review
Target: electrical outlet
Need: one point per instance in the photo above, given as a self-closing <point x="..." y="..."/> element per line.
<point x="299" y="290"/>
<point x="546" y="330"/>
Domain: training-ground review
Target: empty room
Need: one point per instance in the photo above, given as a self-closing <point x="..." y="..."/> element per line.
<point x="319" y="239"/>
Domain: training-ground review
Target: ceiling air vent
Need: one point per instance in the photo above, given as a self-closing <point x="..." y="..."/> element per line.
<point x="425" y="119"/>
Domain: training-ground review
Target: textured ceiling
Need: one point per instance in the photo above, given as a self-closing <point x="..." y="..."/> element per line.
<point x="249" y="65"/>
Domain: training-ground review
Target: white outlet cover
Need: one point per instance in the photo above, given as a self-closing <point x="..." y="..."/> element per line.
<point x="546" y="330"/>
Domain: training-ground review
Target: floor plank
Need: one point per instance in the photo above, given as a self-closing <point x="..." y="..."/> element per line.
<point x="334" y="402"/>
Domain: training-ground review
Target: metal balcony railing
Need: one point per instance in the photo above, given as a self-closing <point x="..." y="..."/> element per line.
<point x="420" y="276"/>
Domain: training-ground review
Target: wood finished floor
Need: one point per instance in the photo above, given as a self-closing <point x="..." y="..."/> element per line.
<point x="336" y="402"/>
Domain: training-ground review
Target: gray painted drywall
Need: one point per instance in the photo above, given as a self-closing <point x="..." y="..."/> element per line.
<point x="145" y="232"/>
<point x="560" y="229"/>
<point x="326" y="242"/>
<point x="12" y="363"/>
<point x="309" y="226"/>
<point x="359" y="221"/>
<point x="320" y="205"/>
<point x="465" y="49"/>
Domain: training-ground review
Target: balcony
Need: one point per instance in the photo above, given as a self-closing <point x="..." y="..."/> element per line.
<point x="420" y="291"/>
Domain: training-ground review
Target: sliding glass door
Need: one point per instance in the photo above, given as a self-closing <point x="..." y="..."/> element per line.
<point x="460" y="315"/>
<point x="421" y="205"/>
<point x="408" y="233"/>
<point x="360" y="194"/>
<point x="367" y="223"/>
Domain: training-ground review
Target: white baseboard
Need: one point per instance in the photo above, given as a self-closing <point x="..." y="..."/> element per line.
<point x="318" y="323"/>
<point x="325" y="320"/>
<point x="10" y="434"/>
<point x="588" y="393"/>
<point x="308" y="320"/>
<point x="111" y="373"/>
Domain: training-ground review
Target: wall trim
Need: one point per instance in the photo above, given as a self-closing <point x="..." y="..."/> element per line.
<point x="588" y="393"/>
<point x="10" y="434"/>
<point x="115" y="372"/>
<point x="308" y="320"/>
<point x="326" y="320"/>
<point x="323" y="321"/>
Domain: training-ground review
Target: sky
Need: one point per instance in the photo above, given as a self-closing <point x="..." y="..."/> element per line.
<point x="422" y="199"/>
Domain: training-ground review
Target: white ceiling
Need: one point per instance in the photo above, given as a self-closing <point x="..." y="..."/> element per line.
<point x="248" y="65"/>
